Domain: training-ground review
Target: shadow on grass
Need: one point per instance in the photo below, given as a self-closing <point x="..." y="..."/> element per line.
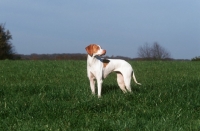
<point x="106" y="89"/>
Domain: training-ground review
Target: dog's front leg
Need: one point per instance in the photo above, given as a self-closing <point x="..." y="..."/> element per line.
<point x="99" y="82"/>
<point x="92" y="85"/>
<point x="92" y="81"/>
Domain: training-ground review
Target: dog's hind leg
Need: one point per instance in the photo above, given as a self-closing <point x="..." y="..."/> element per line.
<point x="127" y="81"/>
<point x="120" y="81"/>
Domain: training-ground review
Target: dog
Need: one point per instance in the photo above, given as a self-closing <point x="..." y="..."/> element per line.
<point x="98" y="68"/>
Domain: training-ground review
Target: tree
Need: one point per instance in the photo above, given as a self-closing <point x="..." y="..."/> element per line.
<point x="6" y="48"/>
<point x="155" y="51"/>
<point x="159" y="52"/>
<point x="197" y="58"/>
<point x="145" y="51"/>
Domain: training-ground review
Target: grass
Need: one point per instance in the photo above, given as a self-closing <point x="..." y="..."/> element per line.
<point x="55" y="95"/>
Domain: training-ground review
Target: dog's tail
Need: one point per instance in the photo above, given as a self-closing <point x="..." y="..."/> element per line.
<point x="135" y="79"/>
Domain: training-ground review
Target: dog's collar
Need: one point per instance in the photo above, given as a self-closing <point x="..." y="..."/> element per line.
<point x="98" y="57"/>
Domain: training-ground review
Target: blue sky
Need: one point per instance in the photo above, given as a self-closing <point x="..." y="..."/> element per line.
<point x="119" y="26"/>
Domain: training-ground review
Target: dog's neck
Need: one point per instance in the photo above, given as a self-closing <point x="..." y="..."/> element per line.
<point x="94" y="59"/>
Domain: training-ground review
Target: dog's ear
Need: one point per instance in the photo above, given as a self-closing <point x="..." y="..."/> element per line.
<point x="89" y="49"/>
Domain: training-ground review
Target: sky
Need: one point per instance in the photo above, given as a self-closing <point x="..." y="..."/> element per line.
<point x="119" y="26"/>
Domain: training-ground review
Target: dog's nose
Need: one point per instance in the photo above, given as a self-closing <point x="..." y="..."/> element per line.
<point x="104" y="52"/>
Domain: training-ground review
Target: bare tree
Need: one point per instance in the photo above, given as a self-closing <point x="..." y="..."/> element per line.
<point x="158" y="52"/>
<point x="155" y="51"/>
<point x="145" y="51"/>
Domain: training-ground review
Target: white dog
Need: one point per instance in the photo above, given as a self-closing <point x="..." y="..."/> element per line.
<point x="98" y="68"/>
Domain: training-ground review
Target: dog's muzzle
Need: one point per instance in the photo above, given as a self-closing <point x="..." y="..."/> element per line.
<point x="104" y="52"/>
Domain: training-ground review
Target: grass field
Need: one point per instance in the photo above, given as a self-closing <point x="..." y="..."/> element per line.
<point x="55" y="95"/>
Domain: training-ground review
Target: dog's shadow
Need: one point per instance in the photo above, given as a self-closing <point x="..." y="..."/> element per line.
<point x="106" y="89"/>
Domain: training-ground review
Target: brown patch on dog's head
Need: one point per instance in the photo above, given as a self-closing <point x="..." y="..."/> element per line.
<point x="105" y="62"/>
<point x="92" y="48"/>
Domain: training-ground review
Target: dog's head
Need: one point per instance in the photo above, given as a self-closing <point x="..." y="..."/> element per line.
<point x="94" y="50"/>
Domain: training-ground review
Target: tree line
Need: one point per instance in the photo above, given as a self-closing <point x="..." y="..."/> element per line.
<point x="145" y="52"/>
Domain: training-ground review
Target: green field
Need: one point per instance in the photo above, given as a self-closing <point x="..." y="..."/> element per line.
<point x="55" y="95"/>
